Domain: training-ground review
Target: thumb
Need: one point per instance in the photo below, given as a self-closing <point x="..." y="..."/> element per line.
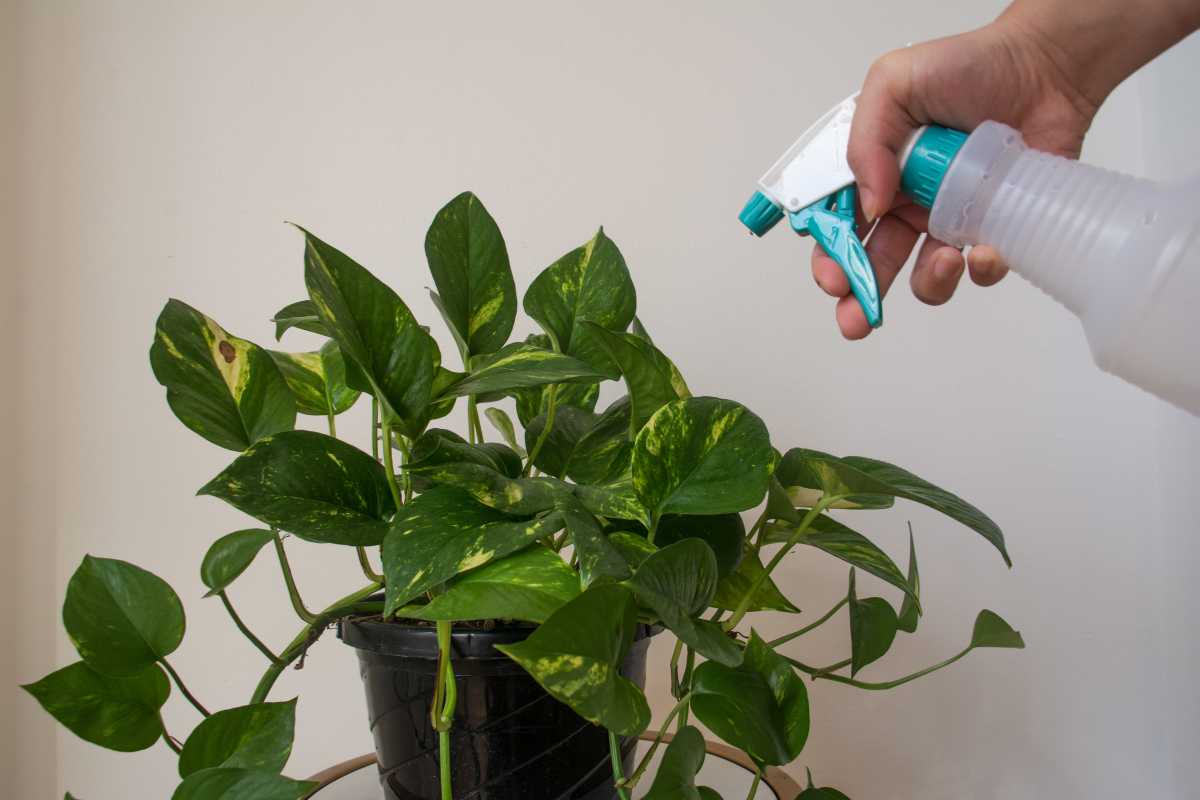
<point x="881" y="126"/>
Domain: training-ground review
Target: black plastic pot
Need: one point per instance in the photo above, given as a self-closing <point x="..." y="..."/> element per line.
<point x="511" y="740"/>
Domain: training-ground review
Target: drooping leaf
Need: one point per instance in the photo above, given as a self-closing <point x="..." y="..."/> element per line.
<point x="910" y="609"/>
<point x="236" y="783"/>
<point x="652" y="379"/>
<point x="702" y="456"/>
<point x="504" y="425"/>
<point x="120" y="617"/>
<point x="856" y="475"/>
<point x="229" y="556"/>
<point x="469" y="264"/>
<point x="394" y="355"/>
<point x="117" y="713"/>
<point x="530" y="585"/>
<point x="760" y="706"/>
<point x="312" y="485"/>
<point x="576" y="656"/>
<point x="678" y="583"/>
<point x="224" y="388"/>
<point x="602" y="454"/>
<point x="302" y="314"/>
<point x="734" y="586"/>
<point x="676" y="775"/>
<point x="518" y="496"/>
<point x="992" y="631"/>
<point x="256" y="736"/>
<point x="317" y="380"/>
<point x="570" y="426"/>
<point x="873" y="625"/>
<point x="598" y="557"/>
<point x="590" y="283"/>
<point x="724" y="533"/>
<point x="519" y="365"/>
<point x="445" y="532"/>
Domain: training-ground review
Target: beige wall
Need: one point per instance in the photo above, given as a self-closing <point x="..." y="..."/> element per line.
<point x="162" y="144"/>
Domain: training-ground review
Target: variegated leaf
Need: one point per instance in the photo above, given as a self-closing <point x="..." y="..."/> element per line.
<point x="237" y="783"/>
<point x="576" y="656"/>
<point x="257" y="736"/>
<point x="703" y="455"/>
<point x="312" y="485"/>
<point x="589" y="283"/>
<point x="519" y="496"/>
<point x="445" y="532"/>
<point x="534" y="401"/>
<point x="615" y="500"/>
<point x="570" y="426"/>
<point x="734" y="586"/>
<point x="599" y="559"/>
<point x="675" y="778"/>
<point x="437" y="447"/>
<point x="520" y="365"/>
<point x="317" y="380"/>
<point x="224" y="388"/>
<point x="603" y="453"/>
<point x="652" y="379"/>
<point x="303" y="315"/>
<point x="504" y="426"/>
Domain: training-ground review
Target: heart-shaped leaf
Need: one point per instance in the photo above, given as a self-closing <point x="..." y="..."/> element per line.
<point x="702" y="456"/>
<point x="760" y="707"/>
<point x="445" y="532"/>
<point x="814" y="793"/>
<point x="598" y="558"/>
<point x="438" y="448"/>
<point x="873" y="625"/>
<point x="224" y="388"/>
<point x="519" y="365"/>
<point x="577" y="654"/>
<point x="856" y="475"/>
<point x="992" y="631"/>
<point x="615" y="500"/>
<point x="676" y="776"/>
<point x="677" y="583"/>
<point x="375" y="330"/>
<point x="229" y="556"/>
<point x="236" y="783"/>
<point x="303" y="315"/>
<point x="317" y="380"/>
<point x="734" y="586"/>
<point x="724" y="533"/>
<point x="652" y="379"/>
<point x="570" y="426"/>
<point x="603" y="452"/>
<point x="910" y="609"/>
<point x="469" y="264"/>
<point x="312" y="485"/>
<point x="518" y="496"/>
<point x="590" y="283"/>
<point x="530" y="585"/>
<point x="504" y="425"/>
<point x="120" y="617"/>
<point x="257" y="736"/>
<point x="117" y="713"/>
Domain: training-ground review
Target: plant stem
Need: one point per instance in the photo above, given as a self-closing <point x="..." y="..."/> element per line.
<point x="614" y="749"/>
<point x="757" y="528"/>
<point x="332" y="424"/>
<point x="445" y="699"/>
<point x="652" y="530"/>
<point x="387" y="464"/>
<point x="364" y="561"/>
<point x="170" y="740"/>
<point x="474" y="429"/>
<point x="179" y="682"/>
<point x="444" y="764"/>
<point x="754" y="785"/>
<point x="299" y="644"/>
<point x="241" y="626"/>
<point x="375" y="427"/>
<point x="293" y="593"/>
<point x="818" y="673"/>
<point x="645" y="762"/>
<point x="545" y="434"/>
<point x="823" y="671"/>
<point x="797" y="634"/>
<point x="687" y="684"/>
<point x="676" y="685"/>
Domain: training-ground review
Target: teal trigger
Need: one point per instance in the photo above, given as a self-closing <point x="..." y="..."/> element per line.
<point x="830" y="221"/>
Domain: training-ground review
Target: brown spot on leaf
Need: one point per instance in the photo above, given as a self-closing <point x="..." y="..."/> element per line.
<point x="227" y="351"/>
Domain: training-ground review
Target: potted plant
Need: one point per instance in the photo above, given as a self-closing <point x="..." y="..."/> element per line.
<point x="518" y="581"/>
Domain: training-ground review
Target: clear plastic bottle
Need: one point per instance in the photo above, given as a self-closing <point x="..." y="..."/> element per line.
<point x="1122" y="253"/>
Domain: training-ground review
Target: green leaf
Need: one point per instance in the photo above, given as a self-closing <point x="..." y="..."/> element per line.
<point x="873" y="625"/>
<point x="469" y="263"/>
<point x="118" y="713"/>
<point x="615" y="500"/>
<point x="530" y="585"/>
<point x="598" y="557"/>
<point x="814" y="793"/>
<point x="236" y="783"/>
<point x="724" y="533"/>
<point x="317" y="380"/>
<point x="445" y="532"/>
<point x="733" y="587"/>
<point x="464" y="351"/>
<point x="224" y="388"/>
<point x="520" y="365"/>
<point x="702" y="456"/>
<point x="910" y="609"/>
<point x="760" y="707"/>
<point x="677" y="583"/>
<point x="519" y="496"/>
<point x="577" y="654"/>
<point x="638" y="329"/>
<point x="676" y="776"/>
<point x="991" y="631"/>
<point x="229" y="556"/>
<point x="374" y="329"/>
<point x="301" y="314"/>
<point x="120" y="617"/>
<point x="533" y="401"/>
<point x="633" y="548"/>
<point x="504" y="425"/>
<point x="438" y="447"/>
<point x="590" y="283"/>
<point x="257" y="736"/>
<point x="652" y="379"/>
<point x="570" y="425"/>
<point x="312" y="485"/>
<point x="856" y="475"/>
<point x="602" y="454"/>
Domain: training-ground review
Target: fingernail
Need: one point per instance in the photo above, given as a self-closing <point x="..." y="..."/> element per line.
<point x="947" y="268"/>
<point x="870" y="211"/>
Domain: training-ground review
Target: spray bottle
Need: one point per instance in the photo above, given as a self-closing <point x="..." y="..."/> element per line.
<point x="1121" y="253"/>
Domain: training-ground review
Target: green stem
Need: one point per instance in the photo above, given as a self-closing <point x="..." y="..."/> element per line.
<point x="387" y="464"/>
<point x="614" y="749"/>
<point x="744" y="604"/>
<point x="445" y="700"/>
<point x="289" y="579"/>
<point x="645" y="762"/>
<point x="299" y="644"/>
<point x="364" y="561"/>
<point x="332" y="423"/>
<point x="823" y="671"/>
<point x="818" y="673"/>
<point x="689" y="664"/>
<point x="676" y="684"/>
<point x="169" y="739"/>
<point x="191" y="698"/>
<point x="652" y="530"/>
<point x="241" y="626"/>
<point x="757" y="529"/>
<point x="545" y="434"/>
<point x="797" y="634"/>
<point x="754" y="785"/>
<point x="474" y="429"/>
<point x="375" y="427"/>
<point x="444" y="764"/>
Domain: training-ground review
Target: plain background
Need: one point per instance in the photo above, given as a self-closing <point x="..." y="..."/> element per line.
<point x="152" y="150"/>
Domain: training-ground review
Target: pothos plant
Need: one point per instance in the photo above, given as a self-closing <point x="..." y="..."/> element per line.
<point x="586" y="523"/>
